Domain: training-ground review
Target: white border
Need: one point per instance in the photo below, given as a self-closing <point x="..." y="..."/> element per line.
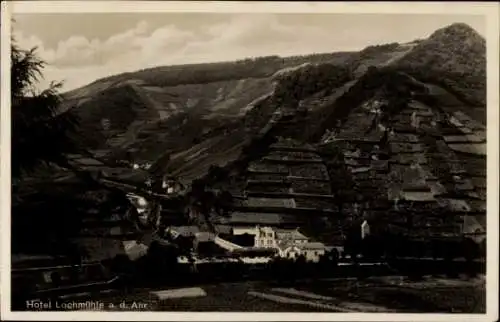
<point x="488" y="9"/>
<point x="253" y="6"/>
<point x="5" y="24"/>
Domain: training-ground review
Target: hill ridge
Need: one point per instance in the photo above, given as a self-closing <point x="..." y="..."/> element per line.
<point x="232" y="98"/>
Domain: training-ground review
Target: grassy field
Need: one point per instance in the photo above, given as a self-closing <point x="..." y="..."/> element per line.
<point x="432" y="295"/>
<point x="381" y="294"/>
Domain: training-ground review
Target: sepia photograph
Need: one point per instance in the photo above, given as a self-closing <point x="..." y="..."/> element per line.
<point x="236" y="160"/>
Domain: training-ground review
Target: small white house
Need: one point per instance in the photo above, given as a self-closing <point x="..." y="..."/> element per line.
<point x="265" y="237"/>
<point x="365" y="229"/>
<point x="415" y="121"/>
<point x="171" y="186"/>
<point x="311" y="251"/>
<point x="269" y="237"/>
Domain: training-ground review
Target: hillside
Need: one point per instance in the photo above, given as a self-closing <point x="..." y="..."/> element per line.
<point x="410" y="167"/>
<point x="454" y="58"/>
<point x="185" y="118"/>
<point x="140" y="112"/>
<point x="406" y="123"/>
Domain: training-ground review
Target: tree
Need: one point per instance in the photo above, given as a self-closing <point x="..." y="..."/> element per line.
<point x="42" y="136"/>
<point x="202" y="201"/>
<point x="41" y="133"/>
<point x="342" y="184"/>
<point x="224" y="201"/>
<point x="216" y="173"/>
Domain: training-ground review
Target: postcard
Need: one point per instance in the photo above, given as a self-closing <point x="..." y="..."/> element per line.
<point x="267" y="161"/>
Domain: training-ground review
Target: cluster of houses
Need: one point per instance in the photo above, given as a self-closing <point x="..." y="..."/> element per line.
<point x="251" y="244"/>
<point x="291" y="183"/>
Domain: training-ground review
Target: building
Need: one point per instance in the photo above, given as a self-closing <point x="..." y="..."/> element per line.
<point x="265" y="237"/>
<point x="244" y="230"/>
<point x="312" y="251"/>
<point x="171" y="185"/>
<point x="270" y="237"/>
<point x="365" y="229"/>
<point x="287" y="243"/>
<point x="292" y="235"/>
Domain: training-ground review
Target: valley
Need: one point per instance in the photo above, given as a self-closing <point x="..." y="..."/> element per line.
<point x="376" y="155"/>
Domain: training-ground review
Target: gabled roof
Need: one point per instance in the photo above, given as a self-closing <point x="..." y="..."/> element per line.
<point x="312" y="246"/>
<point x="305" y="246"/>
<point x="292" y="234"/>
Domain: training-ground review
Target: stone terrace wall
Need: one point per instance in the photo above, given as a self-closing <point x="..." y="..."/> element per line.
<point x="431" y="187"/>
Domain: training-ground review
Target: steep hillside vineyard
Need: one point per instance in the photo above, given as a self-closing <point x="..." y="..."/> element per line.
<point x="407" y="122"/>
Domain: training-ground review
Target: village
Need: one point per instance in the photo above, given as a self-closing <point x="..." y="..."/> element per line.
<point x="280" y="210"/>
<point x="336" y="181"/>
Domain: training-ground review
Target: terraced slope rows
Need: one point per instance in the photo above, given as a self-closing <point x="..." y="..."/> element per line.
<point x="283" y="188"/>
<point x="420" y="170"/>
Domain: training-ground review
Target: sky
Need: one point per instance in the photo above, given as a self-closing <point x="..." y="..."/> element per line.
<point x="82" y="47"/>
